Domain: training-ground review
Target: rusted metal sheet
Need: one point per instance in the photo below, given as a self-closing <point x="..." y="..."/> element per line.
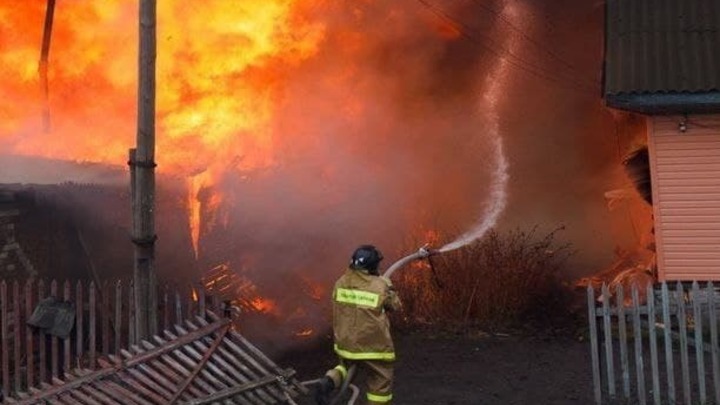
<point x="54" y="315"/>
<point x="203" y="361"/>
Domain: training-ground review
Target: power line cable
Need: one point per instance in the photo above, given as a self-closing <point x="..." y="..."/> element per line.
<point x="511" y="58"/>
<point x="531" y="40"/>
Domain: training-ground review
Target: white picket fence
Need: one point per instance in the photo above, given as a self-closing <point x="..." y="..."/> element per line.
<point x="661" y="351"/>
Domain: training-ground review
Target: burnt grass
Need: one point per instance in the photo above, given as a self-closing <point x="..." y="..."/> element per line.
<point x="505" y="329"/>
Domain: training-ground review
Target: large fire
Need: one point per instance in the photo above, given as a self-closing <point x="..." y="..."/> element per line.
<point x="221" y="66"/>
<point x="300" y="128"/>
<point x="219" y="73"/>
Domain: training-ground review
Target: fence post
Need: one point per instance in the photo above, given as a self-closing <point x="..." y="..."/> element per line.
<point x="92" y="304"/>
<point x="637" y="330"/>
<point x="118" y="318"/>
<point x="699" y="343"/>
<point x="166" y="309"/>
<point x="29" y="341"/>
<point x="66" y="343"/>
<point x="607" y="329"/>
<point x="714" y="341"/>
<point x="79" y="314"/>
<point x="178" y="309"/>
<point x="54" y="364"/>
<point x="131" y="314"/>
<point x="622" y="327"/>
<point x="105" y="316"/>
<point x="4" y="337"/>
<point x="42" y="339"/>
<point x="17" y="343"/>
<point x="652" y="318"/>
<point x="684" y="361"/>
<point x="667" y="321"/>
<point x="201" y="301"/>
<point x="594" y="345"/>
<point x="213" y="303"/>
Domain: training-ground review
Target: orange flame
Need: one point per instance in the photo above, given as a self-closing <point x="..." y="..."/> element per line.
<point x="304" y="333"/>
<point x="263" y="305"/>
<point x="217" y="79"/>
<point x="221" y="67"/>
<point x="315" y="290"/>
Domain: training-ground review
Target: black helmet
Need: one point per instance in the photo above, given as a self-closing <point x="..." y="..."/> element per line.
<point x="366" y="257"/>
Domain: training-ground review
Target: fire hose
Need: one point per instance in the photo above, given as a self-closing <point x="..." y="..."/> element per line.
<point x="422" y="253"/>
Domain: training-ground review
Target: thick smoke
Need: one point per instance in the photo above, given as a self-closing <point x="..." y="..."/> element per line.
<point x="377" y="136"/>
<point x="380" y="140"/>
<point x="381" y="136"/>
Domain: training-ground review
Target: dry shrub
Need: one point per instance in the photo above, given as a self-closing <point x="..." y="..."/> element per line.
<point x="492" y="282"/>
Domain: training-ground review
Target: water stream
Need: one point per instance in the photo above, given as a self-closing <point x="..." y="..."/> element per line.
<point x="494" y="205"/>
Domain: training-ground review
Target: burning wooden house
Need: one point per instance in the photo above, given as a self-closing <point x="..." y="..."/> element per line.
<point x="73" y="231"/>
<point x="662" y="66"/>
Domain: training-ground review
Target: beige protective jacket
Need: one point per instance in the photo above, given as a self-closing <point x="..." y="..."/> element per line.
<point x="360" y="323"/>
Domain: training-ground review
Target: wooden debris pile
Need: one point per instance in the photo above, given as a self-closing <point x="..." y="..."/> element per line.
<point x="201" y="362"/>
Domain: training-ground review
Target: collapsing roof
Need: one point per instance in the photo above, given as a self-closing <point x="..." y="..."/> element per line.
<point x="663" y="57"/>
<point x="201" y="363"/>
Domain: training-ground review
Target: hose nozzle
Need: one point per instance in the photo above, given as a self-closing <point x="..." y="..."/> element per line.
<point x="422" y="253"/>
<point x="425" y="251"/>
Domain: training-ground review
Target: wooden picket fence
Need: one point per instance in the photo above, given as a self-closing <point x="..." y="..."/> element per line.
<point x="662" y="350"/>
<point x="30" y="358"/>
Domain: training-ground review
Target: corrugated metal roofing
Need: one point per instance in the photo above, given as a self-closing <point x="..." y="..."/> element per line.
<point x="662" y="46"/>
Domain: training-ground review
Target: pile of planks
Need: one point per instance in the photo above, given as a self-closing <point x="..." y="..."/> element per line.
<point x="201" y="362"/>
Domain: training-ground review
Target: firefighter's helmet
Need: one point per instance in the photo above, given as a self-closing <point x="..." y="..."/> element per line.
<point x="366" y="257"/>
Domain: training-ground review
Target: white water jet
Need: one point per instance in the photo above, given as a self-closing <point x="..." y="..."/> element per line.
<point x="495" y="83"/>
<point x="496" y="201"/>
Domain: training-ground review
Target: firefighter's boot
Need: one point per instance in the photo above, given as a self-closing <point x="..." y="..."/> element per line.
<point x="324" y="389"/>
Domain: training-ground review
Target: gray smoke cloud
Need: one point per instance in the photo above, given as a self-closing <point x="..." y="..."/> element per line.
<point x="381" y="139"/>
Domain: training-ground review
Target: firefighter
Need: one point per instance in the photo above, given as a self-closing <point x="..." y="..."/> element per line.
<point x="361" y="300"/>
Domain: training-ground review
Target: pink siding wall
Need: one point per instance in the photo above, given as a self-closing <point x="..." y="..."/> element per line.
<point x="685" y="171"/>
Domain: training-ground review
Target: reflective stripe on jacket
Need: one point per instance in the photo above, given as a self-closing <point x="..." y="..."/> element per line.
<point x="360" y="323"/>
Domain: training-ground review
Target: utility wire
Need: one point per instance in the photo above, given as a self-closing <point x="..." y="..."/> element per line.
<point x="511" y="58"/>
<point x="533" y="41"/>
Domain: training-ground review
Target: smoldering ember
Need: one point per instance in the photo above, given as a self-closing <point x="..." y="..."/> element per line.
<point x="198" y="201"/>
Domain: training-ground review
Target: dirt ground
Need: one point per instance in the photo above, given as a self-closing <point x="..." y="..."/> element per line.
<point x="473" y="368"/>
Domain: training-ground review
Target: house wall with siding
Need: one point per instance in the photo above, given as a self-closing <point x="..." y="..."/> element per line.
<point x="685" y="168"/>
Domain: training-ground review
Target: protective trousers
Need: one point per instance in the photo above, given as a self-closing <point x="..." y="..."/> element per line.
<point x="379" y="378"/>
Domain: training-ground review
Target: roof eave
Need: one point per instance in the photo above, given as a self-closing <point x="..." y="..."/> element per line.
<point x="666" y="103"/>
